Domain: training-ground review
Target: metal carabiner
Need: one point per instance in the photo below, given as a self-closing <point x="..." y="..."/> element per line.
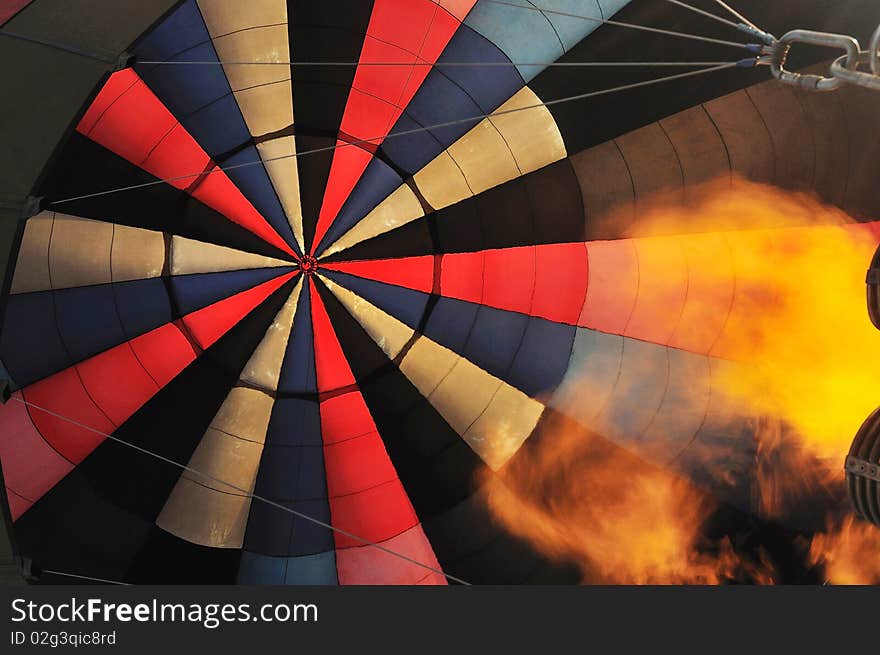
<point x="867" y="73"/>
<point x="874" y="49"/>
<point x="782" y="47"/>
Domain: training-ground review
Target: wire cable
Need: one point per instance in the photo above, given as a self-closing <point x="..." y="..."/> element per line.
<point x="703" y="12"/>
<point x="736" y="14"/>
<point x="86" y="577"/>
<point x="447" y="64"/>
<point x="244" y="491"/>
<point x="633" y="26"/>
<point x="357" y="142"/>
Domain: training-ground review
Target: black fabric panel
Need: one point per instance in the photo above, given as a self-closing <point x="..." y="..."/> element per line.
<point x="96" y="519"/>
<point x="592" y="121"/>
<point x="85" y="167"/>
<point x="322" y="31"/>
<point x="167" y="559"/>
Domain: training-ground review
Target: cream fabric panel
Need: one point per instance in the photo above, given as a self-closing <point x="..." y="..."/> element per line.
<point x="278" y="157"/>
<point x="398" y="209"/>
<point x="32" y="266"/>
<point x="191" y="256"/>
<point x="59" y="251"/>
<point x="136" y="254"/>
<point x="264" y="367"/>
<point x="202" y="510"/>
<point x="519" y="138"/>
<point x="493" y="417"/>
<point x="391" y="335"/>
<point x="256" y="31"/>
<point x="79" y="252"/>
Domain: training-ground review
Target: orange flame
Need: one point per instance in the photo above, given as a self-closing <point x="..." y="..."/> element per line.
<point x="849" y="553"/>
<point x="809" y="377"/>
<point x="622" y="522"/>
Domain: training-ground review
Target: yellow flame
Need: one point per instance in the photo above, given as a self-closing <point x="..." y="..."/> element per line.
<point x="809" y="377"/>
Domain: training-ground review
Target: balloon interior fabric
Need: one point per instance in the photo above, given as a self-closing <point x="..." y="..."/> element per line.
<point x="341" y="294"/>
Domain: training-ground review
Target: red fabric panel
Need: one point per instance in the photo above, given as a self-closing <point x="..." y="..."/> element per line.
<point x="368" y="565"/>
<point x="461" y="276"/>
<point x="127" y="118"/>
<point x="17" y="504"/>
<point x="614" y="283"/>
<point x="63" y="394"/>
<point x="113" y="88"/>
<point x="509" y="279"/>
<point x="356" y="465"/>
<point x="344" y="417"/>
<point x="163" y="352"/>
<point x="30" y="465"/>
<point x="410" y="272"/>
<point x="458" y="8"/>
<point x="117" y="382"/>
<point x="331" y="367"/>
<point x="374" y="514"/>
<point x="400" y="32"/>
<point x="561" y="279"/>
<point x="549" y="281"/>
<point x="212" y="322"/>
<point x="178" y="152"/>
<point x="8" y="8"/>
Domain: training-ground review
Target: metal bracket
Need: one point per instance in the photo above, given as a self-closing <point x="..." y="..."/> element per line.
<point x="862" y="468"/>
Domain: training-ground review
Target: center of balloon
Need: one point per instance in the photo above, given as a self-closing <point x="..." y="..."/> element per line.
<point x="308" y="265"/>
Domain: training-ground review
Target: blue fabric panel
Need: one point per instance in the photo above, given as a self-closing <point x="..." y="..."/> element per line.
<point x="31" y="346"/>
<point x="440" y="101"/>
<point x="376" y="184"/>
<point x="450" y="322"/>
<point x="294" y="422"/>
<point x="269" y="529"/>
<point x="489" y="87"/>
<point x="219" y="128"/>
<point x="526" y="35"/>
<point x="528" y="352"/>
<point x="495" y="339"/>
<point x="187" y="89"/>
<point x="452" y="94"/>
<point x="308" y="537"/>
<point x="404" y="304"/>
<point x="192" y="292"/>
<point x="181" y="30"/>
<point x="87" y="320"/>
<point x="255" y="568"/>
<point x="142" y="305"/>
<point x="254" y="183"/>
<point x="411" y="151"/>
<point x="317" y="569"/>
<point x="298" y="370"/>
<point x="284" y="473"/>
<point x="312" y="482"/>
<point x="543" y="356"/>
